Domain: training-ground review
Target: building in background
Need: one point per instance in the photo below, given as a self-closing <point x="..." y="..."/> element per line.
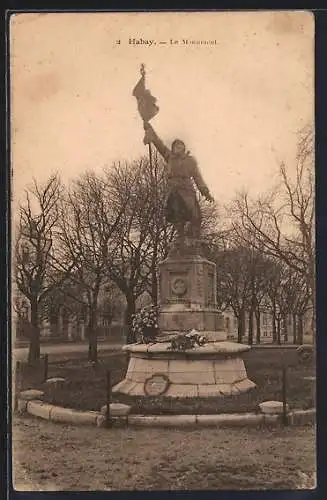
<point x="66" y="319"/>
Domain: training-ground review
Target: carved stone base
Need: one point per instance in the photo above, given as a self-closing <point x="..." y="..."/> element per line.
<point x="185" y="247"/>
<point x="177" y="318"/>
<point x="188" y="297"/>
<point x="215" y="369"/>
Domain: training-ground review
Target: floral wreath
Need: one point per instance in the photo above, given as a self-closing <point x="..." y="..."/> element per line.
<point x="145" y="324"/>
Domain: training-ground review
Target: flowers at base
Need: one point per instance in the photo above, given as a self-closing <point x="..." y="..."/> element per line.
<point x="145" y="324"/>
<point x="186" y="341"/>
<point x="198" y="339"/>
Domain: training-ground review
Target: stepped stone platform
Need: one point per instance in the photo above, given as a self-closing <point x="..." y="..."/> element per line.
<point x="215" y="369"/>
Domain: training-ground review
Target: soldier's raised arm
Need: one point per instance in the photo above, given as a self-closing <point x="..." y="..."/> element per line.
<point x="151" y="136"/>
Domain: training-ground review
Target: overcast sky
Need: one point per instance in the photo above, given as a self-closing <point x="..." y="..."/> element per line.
<point x="237" y="104"/>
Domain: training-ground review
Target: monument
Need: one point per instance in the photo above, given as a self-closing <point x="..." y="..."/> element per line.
<point x="187" y="294"/>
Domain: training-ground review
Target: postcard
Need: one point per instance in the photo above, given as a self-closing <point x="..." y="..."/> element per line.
<point x="163" y="253"/>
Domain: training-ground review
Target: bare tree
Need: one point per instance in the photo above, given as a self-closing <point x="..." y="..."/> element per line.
<point x="143" y="236"/>
<point x="152" y="189"/>
<point x="300" y="306"/>
<point x="257" y="270"/>
<point x="87" y="226"/>
<point x="210" y="222"/>
<point x="34" y="251"/>
<point x="275" y="295"/>
<point x="281" y="223"/>
<point x="234" y="283"/>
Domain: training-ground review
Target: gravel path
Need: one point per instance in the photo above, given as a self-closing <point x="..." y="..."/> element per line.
<point x="61" y="457"/>
<point x="60" y="351"/>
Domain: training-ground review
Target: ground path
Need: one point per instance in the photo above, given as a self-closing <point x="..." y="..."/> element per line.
<point x="57" y="351"/>
<point x="62" y="457"/>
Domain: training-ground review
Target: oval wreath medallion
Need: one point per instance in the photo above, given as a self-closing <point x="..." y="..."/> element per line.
<point x="179" y="287"/>
<point x="156" y="385"/>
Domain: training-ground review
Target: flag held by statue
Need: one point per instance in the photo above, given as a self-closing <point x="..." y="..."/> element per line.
<point x="146" y="103"/>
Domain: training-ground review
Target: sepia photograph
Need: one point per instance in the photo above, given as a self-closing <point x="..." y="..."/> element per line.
<point x="163" y="296"/>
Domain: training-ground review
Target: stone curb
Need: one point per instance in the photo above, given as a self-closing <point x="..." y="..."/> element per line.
<point x="39" y="409"/>
<point x="233" y="419"/>
<point x="53" y="413"/>
<point x="162" y="420"/>
<point x="70" y="416"/>
<point x="302" y="417"/>
<point x="31" y="395"/>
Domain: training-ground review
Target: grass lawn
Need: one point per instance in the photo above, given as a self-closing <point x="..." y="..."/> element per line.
<point x="61" y="457"/>
<point x="85" y="387"/>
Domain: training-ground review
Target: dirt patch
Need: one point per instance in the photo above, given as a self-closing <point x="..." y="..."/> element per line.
<point x="86" y="459"/>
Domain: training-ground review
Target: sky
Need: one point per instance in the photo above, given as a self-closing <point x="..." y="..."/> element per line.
<point x="237" y="103"/>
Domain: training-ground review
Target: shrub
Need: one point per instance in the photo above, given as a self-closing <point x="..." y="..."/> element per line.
<point x="305" y="353"/>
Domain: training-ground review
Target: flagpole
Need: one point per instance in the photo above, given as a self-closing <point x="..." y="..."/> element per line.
<point x="142" y="71"/>
<point x="155" y="180"/>
<point x="154" y="177"/>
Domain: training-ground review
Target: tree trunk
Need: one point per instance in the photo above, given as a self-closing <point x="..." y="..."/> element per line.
<point x="93" y="334"/>
<point x="258" y="325"/>
<point x="312" y="282"/>
<point x="250" y="324"/>
<point x="278" y="336"/>
<point x="294" y="325"/>
<point x="240" y="325"/>
<point x="285" y="328"/>
<point x="34" y="344"/>
<point x="300" y="329"/>
<point x="130" y="310"/>
<point x="154" y="287"/>
<point x="274" y="330"/>
<point x="92" y="323"/>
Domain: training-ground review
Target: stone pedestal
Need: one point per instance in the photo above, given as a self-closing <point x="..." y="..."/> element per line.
<point x="187" y="293"/>
<point x="187" y="297"/>
<point x="213" y="370"/>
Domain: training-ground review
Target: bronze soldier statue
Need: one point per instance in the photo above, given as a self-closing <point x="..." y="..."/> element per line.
<point x="182" y="206"/>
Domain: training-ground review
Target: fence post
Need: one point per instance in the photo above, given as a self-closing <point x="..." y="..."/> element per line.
<point x="284" y="396"/>
<point x="108" y="390"/>
<point x="46" y="366"/>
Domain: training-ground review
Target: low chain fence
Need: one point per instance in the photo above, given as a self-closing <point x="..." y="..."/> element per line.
<point x="290" y="380"/>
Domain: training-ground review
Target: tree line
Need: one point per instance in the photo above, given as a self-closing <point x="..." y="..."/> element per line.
<point x="108" y="229"/>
